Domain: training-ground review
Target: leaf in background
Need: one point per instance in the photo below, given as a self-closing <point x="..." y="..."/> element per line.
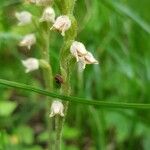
<point x="120" y="124"/>
<point x="146" y="141"/>
<point x="124" y="10"/>
<point x="43" y="137"/>
<point x="9" y="36"/>
<point x="25" y="134"/>
<point x="3" y="140"/>
<point x="7" y="108"/>
<point x="70" y="133"/>
<point x="7" y="3"/>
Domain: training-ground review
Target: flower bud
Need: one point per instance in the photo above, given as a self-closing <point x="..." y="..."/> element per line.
<point x="77" y="49"/>
<point x="28" y="40"/>
<point x="23" y="17"/>
<point x="62" y="24"/>
<point x="30" y="64"/>
<point x="48" y="15"/>
<point x="57" y="108"/>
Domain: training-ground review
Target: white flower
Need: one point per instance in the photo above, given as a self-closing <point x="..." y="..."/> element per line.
<point x="87" y="59"/>
<point x="48" y="15"/>
<point x="30" y="64"/>
<point x="28" y="40"/>
<point x="57" y="108"/>
<point x="40" y="2"/>
<point x="62" y="24"/>
<point x="78" y="50"/>
<point x="43" y="2"/>
<point x="24" y="17"/>
<point x="31" y="1"/>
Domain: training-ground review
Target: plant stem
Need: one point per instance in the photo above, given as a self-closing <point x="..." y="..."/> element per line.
<point x="66" y="7"/>
<point x="48" y="78"/>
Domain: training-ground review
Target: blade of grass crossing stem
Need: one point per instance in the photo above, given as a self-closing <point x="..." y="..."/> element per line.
<point x="99" y="103"/>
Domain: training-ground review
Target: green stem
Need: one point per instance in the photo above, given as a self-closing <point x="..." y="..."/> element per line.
<point x="57" y="141"/>
<point x="48" y="78"/>
<point x="80" y="93"/>
<point x="102" y="130"/>
<point x="66" y="7"/>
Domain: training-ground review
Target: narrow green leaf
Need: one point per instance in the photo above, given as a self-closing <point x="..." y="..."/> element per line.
<point x="124" y="10"/>
<point x="76" y="99"/>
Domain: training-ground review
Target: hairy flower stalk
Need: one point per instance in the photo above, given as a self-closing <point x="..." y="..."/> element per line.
<point x="66" y="7"/>
<point x="48" y="77"/>
<point x="48" y="16"/>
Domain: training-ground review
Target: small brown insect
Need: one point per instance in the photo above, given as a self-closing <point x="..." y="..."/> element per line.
<point x="59" y="79"/>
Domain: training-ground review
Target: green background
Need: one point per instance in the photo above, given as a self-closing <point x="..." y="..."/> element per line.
<point x="118" y="34"/>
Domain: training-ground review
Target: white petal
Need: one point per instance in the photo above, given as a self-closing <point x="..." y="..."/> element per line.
<point x="89" y="59"/>
<point x="77" y="49"/>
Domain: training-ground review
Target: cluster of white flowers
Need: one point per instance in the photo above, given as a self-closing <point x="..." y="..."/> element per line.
<point x="62" y="24"/>
<point x="25" y="18"/>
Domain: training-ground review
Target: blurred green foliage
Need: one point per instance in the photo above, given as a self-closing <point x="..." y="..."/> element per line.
<point x="118" y="34"/>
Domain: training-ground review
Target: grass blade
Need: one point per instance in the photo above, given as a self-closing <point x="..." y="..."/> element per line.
<point x="99" y="103"/>
<point x="125" y="11"/>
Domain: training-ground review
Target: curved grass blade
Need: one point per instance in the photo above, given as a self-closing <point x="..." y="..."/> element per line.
<point x="124" y="10"/>
<point x="99" y="103"/>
